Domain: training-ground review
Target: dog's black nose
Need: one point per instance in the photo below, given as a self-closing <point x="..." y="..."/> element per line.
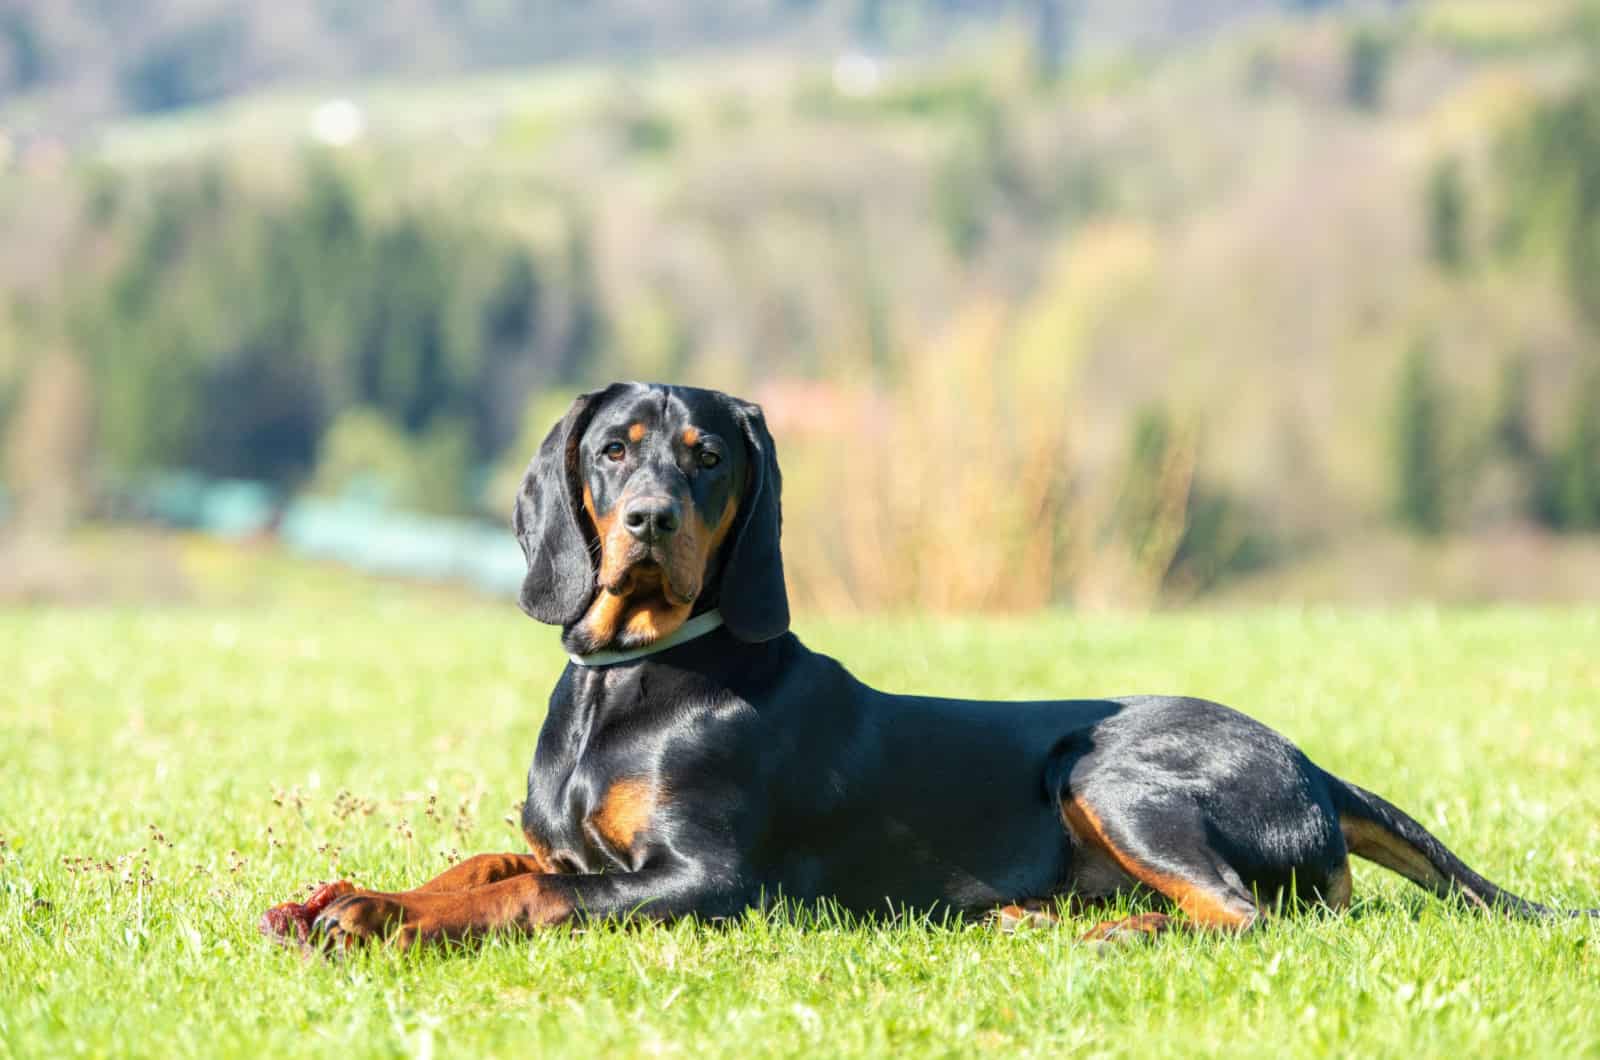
<point x="650" y="518"/>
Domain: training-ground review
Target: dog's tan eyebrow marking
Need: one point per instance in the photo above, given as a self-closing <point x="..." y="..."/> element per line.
<point x="691" y="436"/>
<point x="636" y="432"/>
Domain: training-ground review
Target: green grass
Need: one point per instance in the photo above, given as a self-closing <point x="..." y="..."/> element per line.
<point x="273" y="747"/>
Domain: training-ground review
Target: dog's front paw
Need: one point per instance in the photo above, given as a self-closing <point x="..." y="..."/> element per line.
<point x="354" y="918"/>
<point x="290" y="922"/>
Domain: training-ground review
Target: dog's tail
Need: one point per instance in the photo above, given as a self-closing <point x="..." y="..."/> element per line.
<point x="1380" y="832"/>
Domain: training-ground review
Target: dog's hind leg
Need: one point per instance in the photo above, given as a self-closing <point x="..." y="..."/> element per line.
<point x="1163" y="847"/>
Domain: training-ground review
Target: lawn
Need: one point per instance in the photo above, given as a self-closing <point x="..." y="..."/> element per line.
<point x="168" y="773"/>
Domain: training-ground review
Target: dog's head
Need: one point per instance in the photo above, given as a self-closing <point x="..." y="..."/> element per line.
<point x="645" y="505"/>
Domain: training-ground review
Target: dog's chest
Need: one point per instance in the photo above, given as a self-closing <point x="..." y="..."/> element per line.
<point x="589" y="807"/>
<point x="579" y="827"/>
<point x="604" y="789"/>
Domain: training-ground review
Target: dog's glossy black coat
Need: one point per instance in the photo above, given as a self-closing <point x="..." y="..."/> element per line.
<point x="739" y="768"/>
<point x="776" y="773"/>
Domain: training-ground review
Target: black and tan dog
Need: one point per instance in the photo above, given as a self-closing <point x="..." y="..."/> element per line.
<point x="698" y="760"/>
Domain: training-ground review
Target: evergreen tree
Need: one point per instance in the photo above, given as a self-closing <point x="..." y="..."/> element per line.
<point x="1512" y="427"/>
<point x="1419" y="447"/>
<point x="1367" y="69"/>
<point x="1571" y="490"/>
<point x="1447" y="215"/>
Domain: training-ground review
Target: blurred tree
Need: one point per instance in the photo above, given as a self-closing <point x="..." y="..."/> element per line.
<point x="48" y="444"/>
<point x="259" y="414"/>
<point x="1512" y="425"/>
<point x="1054" y="22"/>
<point x="196" y="62"/>
<point x="868" y="23"/>
<point x="1418" y="439"/>
<point x="1447" y="215"/>
<point x="959" y="194"/>
<point x="1367" y="60"/>
<point x="22" y="55"/>
<point x="236" y="327"/>
<point x="366" y="455"/>
<point x="1152" y="512"/>
<point x="585" y="319"/>
<point x="401" y="361"/>
<point x="1556" y="185"/>
<point x="1570" y="493"/>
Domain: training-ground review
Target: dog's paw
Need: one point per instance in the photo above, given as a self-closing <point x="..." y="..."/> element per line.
<point x="1130" y="929"/>
<point x="1019" y="916"/>
<point x="355" y="918"/>
<point x="290" y="922"/>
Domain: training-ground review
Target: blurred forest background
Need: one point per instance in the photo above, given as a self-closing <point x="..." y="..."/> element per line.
<point x="1049" y="302"/>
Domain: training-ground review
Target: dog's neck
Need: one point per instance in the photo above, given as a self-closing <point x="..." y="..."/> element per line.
<point x="696" y="627"/>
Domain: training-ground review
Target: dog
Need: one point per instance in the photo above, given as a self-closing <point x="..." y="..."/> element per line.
<point x="697" y="760"/>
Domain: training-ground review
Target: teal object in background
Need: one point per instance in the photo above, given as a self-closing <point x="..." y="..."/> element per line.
<point x="357" y="530"/>
<point x="373" y="538"/>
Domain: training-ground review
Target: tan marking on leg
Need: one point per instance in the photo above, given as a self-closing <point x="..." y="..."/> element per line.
<point x="625" y="811"/>
<point x="1336" y="892"/>
<point x="1203" y="906"/>
<point x="480" y="870"/>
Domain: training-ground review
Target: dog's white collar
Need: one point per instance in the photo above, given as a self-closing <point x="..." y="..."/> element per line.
<point x="698" y="626"/>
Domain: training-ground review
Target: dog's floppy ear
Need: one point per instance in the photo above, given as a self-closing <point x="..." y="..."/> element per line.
<point x="754" y="602"/>
<point x="560" y="582"/>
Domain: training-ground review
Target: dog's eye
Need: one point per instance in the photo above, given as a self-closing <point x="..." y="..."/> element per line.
<point x="709" y="458"/>
<point x="614" y="450"/>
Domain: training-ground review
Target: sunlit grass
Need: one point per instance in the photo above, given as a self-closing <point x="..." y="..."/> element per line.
<point x="169" y="773"/>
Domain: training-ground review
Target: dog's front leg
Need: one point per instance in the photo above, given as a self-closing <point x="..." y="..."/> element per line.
<point x="524" y="902"/>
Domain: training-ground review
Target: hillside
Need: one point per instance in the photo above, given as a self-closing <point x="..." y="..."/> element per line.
<point x="1181" y="286"/>
<point x="71" y="63"/>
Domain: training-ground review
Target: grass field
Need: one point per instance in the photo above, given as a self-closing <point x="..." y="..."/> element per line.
<point x="170" y="773"/>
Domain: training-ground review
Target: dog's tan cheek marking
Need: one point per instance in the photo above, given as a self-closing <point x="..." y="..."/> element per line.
<point x="605" y="528"/>
<point x="693" y="547"/>
<point x="720" y="534"/>
<point x="636" y="432"/>
<point x="626" y="810"/>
